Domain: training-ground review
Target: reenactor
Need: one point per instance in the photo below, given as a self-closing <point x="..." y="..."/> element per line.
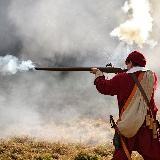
<point x="137" y="127"/>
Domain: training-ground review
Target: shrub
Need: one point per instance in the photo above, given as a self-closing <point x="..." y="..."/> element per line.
<point x="85" y="156"/>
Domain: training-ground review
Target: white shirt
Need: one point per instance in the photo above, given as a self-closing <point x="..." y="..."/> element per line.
<point x="136" y="69"/>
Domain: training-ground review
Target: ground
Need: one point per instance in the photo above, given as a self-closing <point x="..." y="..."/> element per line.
<point x="31" y="149"/>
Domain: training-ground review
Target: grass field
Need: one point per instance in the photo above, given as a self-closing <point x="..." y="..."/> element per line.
<point x="31" y="149"/>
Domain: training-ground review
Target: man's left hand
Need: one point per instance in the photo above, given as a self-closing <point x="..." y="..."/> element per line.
<point x="94" y="70"/>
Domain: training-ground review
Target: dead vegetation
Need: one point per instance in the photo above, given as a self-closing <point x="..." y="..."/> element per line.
<point x="32" y="149"/>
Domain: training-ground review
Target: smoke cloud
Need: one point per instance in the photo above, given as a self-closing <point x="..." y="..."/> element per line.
<point x="139" y="25"/>
<point x="11" y="65"/>
<point x="61" y="106"/>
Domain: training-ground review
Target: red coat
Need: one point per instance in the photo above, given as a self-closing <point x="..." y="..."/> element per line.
<point x="121" y="85"/>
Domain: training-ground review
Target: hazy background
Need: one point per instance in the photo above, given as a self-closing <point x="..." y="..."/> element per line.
<point x="62" y="106"/>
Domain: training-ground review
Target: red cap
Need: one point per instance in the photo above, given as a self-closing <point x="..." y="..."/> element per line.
<point x="136" y="57"/>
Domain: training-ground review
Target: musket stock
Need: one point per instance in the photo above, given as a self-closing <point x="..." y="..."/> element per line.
<point x="64" y="69"/>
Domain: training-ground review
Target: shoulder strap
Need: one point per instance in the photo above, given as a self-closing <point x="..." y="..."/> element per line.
<point x="140" y="88"/>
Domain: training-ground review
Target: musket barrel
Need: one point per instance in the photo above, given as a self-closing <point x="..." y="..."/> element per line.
<point x="103" y="69"/>
<point x="65" y="69"/>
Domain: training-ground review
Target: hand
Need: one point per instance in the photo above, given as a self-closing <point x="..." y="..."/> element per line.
<point x="94" y="70"/>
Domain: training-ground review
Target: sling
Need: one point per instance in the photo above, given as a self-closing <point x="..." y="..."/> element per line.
<point x="141" y="89"/>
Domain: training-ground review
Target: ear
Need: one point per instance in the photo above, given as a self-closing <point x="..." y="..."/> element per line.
<point x="131" y="64"/>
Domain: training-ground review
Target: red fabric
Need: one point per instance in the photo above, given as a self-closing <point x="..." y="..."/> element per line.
<point x="121" y="85"/>
<point x="137" y="57"/>
<point x="143" y="143"/>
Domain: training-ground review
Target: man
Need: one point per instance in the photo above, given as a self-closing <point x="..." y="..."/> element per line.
<point x="136" y="135"/>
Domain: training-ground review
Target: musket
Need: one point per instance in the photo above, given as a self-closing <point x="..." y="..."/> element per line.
<point x="107" y="69"/>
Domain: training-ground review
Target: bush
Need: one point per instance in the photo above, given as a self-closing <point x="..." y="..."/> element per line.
<point x="45" y="157"/>
<point x="85" y="156"/>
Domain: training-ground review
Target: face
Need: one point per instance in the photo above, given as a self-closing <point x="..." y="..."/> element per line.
<point x="129" y="65"/>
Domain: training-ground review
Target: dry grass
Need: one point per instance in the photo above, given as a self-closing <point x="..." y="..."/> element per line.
<point x="31" y="149"/>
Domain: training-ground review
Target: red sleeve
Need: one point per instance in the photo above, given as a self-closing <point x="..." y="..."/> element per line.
<point x="107" y="87"/>
<point x="155" y="87"/>
<point x="155" y="81"/>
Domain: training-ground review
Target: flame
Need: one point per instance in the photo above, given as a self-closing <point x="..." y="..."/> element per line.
<point x="138" y="27"/>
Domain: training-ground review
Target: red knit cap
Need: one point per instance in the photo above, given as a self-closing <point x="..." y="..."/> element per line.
<point x="136" y="57"/>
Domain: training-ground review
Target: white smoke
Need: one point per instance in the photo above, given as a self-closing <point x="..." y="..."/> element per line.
<point x="87" y="131"/>
<point x="138" y="27"/>
<point x="10" y="65"/>
<point x="52" y="105"/>
<point x="65" y="27"/>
